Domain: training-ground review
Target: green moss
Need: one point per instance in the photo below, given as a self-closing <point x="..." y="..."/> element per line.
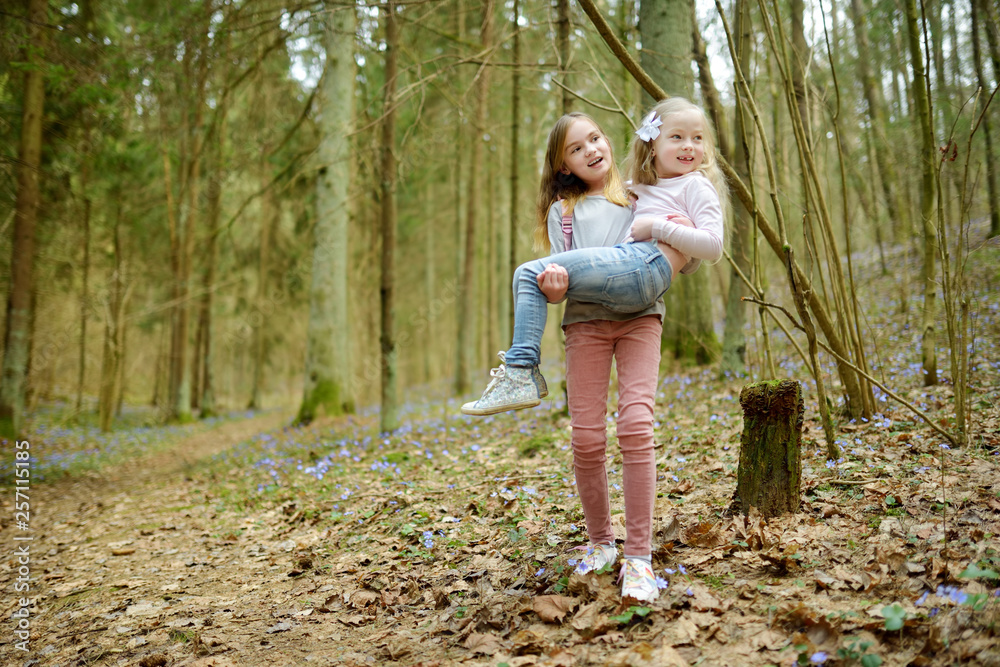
<point x="535" y="444"/>
<point x="326" y="396"/>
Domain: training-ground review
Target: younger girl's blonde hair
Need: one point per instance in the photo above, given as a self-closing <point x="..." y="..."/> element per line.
<point x="639" y="165"/>
<point x="555" y="185"/>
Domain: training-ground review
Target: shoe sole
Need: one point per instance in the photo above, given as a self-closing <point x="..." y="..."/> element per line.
<point x="500" y="408"/>
<point x="631" y="599"/>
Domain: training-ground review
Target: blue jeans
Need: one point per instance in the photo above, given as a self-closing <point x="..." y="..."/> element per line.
<point x="626" y="278"/>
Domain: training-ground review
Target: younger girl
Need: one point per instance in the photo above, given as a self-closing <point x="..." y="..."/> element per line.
<point x="679" y="215"/>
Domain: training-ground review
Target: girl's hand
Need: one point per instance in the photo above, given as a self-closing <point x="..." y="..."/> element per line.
<point x="647" y="227"/>
<point x="553" y="282"/>
<point x="642" y="228"/>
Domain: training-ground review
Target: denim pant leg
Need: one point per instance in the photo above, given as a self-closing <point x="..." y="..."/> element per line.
<point x="530" y="311"/>
<point x="626" y="278"/>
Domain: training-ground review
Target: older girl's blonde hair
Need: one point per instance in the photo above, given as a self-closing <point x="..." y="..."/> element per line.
<point x="639" y="165"/>
<point x="555" y="185"/>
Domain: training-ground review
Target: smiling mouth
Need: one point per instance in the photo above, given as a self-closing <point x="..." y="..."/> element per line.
<point x="595" y="162"/>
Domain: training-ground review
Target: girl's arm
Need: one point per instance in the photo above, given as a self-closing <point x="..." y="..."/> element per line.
<point x="700" y="237"/>
<point x="554" y="281"/>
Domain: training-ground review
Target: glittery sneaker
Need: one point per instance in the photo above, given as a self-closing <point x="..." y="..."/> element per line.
<point x="536" y="375"/>
<point x="639" y="583"/>
<point x="598" y="556"/>
<point x="512" y="388"/>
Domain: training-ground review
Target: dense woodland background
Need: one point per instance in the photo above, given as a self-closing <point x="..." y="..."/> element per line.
<point x="219" y="204"/>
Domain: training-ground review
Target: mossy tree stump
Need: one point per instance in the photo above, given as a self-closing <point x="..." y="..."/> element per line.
<point x="770" y="472"/>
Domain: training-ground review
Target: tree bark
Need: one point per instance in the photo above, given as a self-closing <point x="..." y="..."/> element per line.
<point x="666" y="46"/>
<point x="268" y="222"/>
<point x="979" y="12"/>
<point x="770" y="469"/>
<point x="563" y="51"/>
<point x="81" y="374"/>
<point x="733" y="339"/>
<point x="206" y="376"/>
<point x="328" y="356"/>
<point x="114" y="325"/>
<point x="666" y="55"/>
<point x="458" y="173"/>
<point x="515" y="164"/>
<point x="925" y="122"/>
<point x="875" y="101"/>
<point x="467" y="339"/>
<point x="17" y="337"/>
<point x="848" y="376"/>
<point x="389" y="420"/>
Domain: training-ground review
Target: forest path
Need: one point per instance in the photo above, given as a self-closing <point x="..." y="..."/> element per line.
<point x="125" y="569"/>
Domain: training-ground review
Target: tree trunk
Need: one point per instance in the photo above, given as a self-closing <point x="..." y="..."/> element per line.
<point x="564" y="52"/>
<point x="713" y="105"/>
<point x="468" y="338"/>
<point x="925" y="121"/>
<point x="17" y="337"/>
<point x="800" y="58"/>
<point x="389" y="420"/>
<point x="666" y="55"/>
<point x="659" y="38"/>
<point x="81" y="374"/>
<point x="431" y="361"/>
<point x="979" y="12"/>
<point x="206" y="375"/>
<point x="261" y="310"/>
<point x="733" y="339"/>
<point x="515" y="166"/>
<point x="461" y="380"/>
<point x="113" y="329"/>
<point x="770" y="470"/>
<point x="328" y="352"/>
<point x="875" y="100"/>
<point x="666" y="46"/>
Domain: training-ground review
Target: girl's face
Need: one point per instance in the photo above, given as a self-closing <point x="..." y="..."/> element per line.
<point x="680" y="147"/>
<point x="586" y="155"/>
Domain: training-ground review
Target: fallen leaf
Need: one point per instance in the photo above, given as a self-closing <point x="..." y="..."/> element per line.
<point x="588" y="621"/>
<point x="552" y="608"/>
<point x="363" y="598"/>
<point x="706" y="534"/>
<point x="669" y="531"/>
<point x="824" y="580"/>
<point x="279" y="627"/>
<point x="213" y="661"/>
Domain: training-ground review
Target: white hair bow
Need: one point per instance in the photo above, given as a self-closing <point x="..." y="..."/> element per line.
<point x="650" y="128"/>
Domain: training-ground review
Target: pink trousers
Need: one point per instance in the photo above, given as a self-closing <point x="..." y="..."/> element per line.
<point x="590" y="347"/>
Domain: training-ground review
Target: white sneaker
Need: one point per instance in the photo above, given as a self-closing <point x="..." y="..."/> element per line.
<point x="639" y="582"/>
<point x="598" y="556"/>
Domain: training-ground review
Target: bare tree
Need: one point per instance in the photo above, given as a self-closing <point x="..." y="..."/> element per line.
<point x="389" y="420"/>
<point x="925" y="122"/>
<point x="17" y="338"/>
<point x="328" y="357"/>
<point x="466" y="316"/>
<point x="980" y="11"/>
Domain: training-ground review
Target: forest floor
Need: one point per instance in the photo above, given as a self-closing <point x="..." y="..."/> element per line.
<point x="246" y="542"/>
